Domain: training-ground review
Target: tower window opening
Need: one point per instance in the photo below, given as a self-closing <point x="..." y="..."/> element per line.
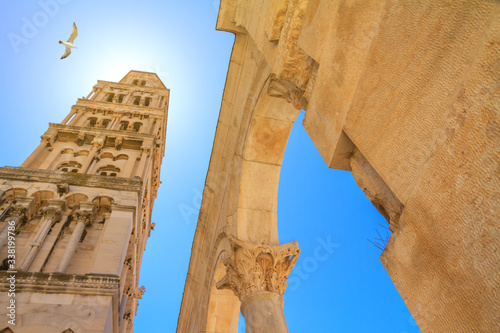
<point x="92" y="121"/>
<point x="120" y="98"/>
<point x="136" y="82"/>
<point x="137" y="127"/>
<point x="105" y="122"/>
<point x="110" y="97"/>
<point x="137" y="100"/>
<point x="109" y="169"/>
<point x="66" y="166"/>
<point x="147" y="101"/>
<point x="123" y="125"/>
<point x="143" y="83"/>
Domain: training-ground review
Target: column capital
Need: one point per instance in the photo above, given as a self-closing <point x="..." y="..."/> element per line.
<point x="51" y="213"/>
<point x="24" y="207"/>
<point x="258" y="267"/>
<point x="86" y="213"/>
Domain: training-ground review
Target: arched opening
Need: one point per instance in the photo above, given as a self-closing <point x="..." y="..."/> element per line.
<point x="122" y="157"/>
<point x="75" y="199"/>
<point x="105" y="122"/>
<point x="123" y="125"/>
<point x="108" y="170"/>
<point x="120" y="98"/>
<point x="70" y="166"/>
<point x="92" y="121"/>
<point x="6" y="330"/>
<point x="147" y="101"/>
<point x="137" y="126"/>
<point x="137" y="100"/>
<point x="42" y="198"/>
<point x="110" y="97"/>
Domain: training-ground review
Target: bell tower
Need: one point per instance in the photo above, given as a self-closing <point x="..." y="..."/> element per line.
<point x="76" y="215"/>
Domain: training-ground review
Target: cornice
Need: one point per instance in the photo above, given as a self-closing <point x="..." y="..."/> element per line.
<point x="97" y="131"/>
<point x="91" y="284"/>
<point x="130" y="86"/>
<point x="121" y="108"/>
<point x="58" y="177"/>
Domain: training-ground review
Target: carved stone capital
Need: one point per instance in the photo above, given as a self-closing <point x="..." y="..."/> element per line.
<point x="20" y="211"/>
<point x="288" y="91"/>
<point x="257" y="267"/>
<point x="84" y="216"/>
<point x="51" y="213"/>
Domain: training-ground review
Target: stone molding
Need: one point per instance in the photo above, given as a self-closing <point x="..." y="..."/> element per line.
<point x="101" y="131"/>
<point x="258" y="267"/>
<point x="62" y="283"/>
<point x="58" y="177"/>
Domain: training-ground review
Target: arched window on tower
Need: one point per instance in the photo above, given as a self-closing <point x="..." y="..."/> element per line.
<point x="147" y="101"/>
<point x="105" y="122"/>
<point x="137" y="126"/>
<point x="123" y="125"/>
<point x="120" y="98"/>
<point x="137" y="100"/>
<point x="136" y="82"/>
<point x="92" y="121"/>
<point x="143" y="83"/>
<point x="108" y="170"/>
<point x="110" y="97"/>
<point x="71" y="166"/>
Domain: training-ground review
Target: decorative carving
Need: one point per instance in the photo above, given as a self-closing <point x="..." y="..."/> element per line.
<point x="85" y="216"/>
<point x="118" y="143"/>
<point x="287" y="90"/>
<point x="80" y="139"/>
<point x="98" y="143"/>
<point x="51" y="213"/>
<point x="253" y="267"/>
<point x="139" y="292"/>
<point x="20" y="211"/>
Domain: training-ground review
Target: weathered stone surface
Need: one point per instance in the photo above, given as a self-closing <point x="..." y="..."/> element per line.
<point x="404" y="94"/>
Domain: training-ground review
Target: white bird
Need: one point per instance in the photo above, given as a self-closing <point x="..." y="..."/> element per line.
<point x="69" y="44"/>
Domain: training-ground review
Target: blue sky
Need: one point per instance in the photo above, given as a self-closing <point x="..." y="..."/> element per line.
<point x="346" y="289"/>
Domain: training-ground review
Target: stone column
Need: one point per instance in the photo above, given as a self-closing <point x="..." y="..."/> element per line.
<point x="78" y="115"/>
<point x="145" y="152"/>
<point x="51" y="214"/>
<point x="46" y="141"/>
<point x="257" y="274"/>
<point x="68" y="117"/>
<point x="21" y="210"/>
<point x="96" y="145"/>
<point x="84" y="217"/>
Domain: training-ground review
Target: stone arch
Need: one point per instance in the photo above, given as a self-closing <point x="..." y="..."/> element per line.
<point x="42" y="198"/>
<point x="75" y="199"/>
<point x="106" y="155"/>
<point x="264" y="149"/>
<point x="69" y="166"/>
<point x="122" y="157"/>
<point x="224" y="306"/>
<point x="12" y="193"/>
<point x="7" y="330"/>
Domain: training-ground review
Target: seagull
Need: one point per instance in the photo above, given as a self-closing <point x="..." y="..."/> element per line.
<point x="69" y="44"/>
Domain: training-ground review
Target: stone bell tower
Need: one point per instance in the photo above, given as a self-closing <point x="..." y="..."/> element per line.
<point x="75" y="217"/>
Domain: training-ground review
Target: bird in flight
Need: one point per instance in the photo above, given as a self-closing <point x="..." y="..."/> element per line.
<point x="69" y="44"/>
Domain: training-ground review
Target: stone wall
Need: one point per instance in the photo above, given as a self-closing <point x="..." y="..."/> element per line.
<point x="404" y="94"/>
